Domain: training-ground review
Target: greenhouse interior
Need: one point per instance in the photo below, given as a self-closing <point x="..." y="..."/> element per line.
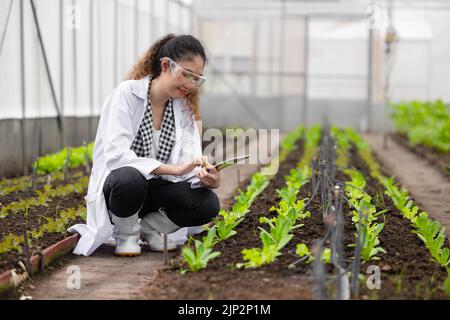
<point x="261" y="150"/>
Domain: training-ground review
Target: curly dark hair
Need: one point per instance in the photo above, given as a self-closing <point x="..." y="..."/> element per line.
<point x="175" y="47"/>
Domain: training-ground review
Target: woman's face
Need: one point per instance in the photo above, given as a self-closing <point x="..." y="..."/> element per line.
<point x="180" y="85"/>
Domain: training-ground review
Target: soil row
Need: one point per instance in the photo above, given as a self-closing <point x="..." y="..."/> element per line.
<point x="438" y="159"/>
<point x="407" y="270"/>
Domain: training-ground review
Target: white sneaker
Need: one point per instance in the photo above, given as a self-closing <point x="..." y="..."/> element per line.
<point x="126" y="232"/>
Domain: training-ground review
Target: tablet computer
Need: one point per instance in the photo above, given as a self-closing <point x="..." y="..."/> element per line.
<point x="230" y="162"/>
<point x="224" y="164"/>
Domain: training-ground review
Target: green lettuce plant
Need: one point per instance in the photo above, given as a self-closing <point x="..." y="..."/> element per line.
<point x="425" y="123"/>
<point x="199" y="257"/>
<point x="56" y="161"/>
<point x="433" y="235"/>
<point x="429" y="231"/>
<point x="302" y="250"/>
<point x="368" y="228"/>
<point x="226" y="225"/>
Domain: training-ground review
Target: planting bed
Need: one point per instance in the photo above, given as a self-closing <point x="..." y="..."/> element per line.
<point x="328" y="213"/>
<point x="61" y="202"/>
<point x="221" y="280"/>
<point x="408" y="270"/>
<point x="441" y="160"/>
<point x="63" y="207"/>
<point x="424" y="128"/>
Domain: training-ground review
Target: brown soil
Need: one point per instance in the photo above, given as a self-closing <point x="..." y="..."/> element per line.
<point x="221" y="280"/>
<point x="40" y="184"/>
<point x="438" y="159"/>
<point x="407" y="271"/>
<point x="15" y="222"/>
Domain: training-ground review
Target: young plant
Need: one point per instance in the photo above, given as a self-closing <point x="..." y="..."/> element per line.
<point x="289" y="209"/>
<point x="446" y="285"/>
<point x="56" y="161"/>
<point x="226" y="226"/>
<point x="433" y="235"/>
<point x="280" y="227"/>
<point x="355" y="188"/>
<point x="210" y="239"/>
<point x="369" y="236"/>
<point x="368" y="228"/>
<point x="244" y="200"/>
<point x="256" y="257"/>
<point x="370" y="211"/>
<point x="11" y="242"/>
<point x="298" y="177"/>
<point x="198" y="259"/>
<point x="425" y="123"/>
<point x="429" y="231"/>
<point x="302" y="250"/>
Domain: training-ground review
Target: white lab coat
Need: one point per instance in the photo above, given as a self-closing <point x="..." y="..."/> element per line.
<point x="120" y="119"/>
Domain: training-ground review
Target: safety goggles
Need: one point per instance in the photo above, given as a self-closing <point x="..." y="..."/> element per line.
<point x="188" y="76"/>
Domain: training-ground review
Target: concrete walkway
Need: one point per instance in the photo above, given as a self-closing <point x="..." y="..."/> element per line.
<point x="425" y="183"/>
<point x="104" y="276"/>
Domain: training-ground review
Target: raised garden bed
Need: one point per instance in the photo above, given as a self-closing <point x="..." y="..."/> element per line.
<point x="407" y="268"/>
<point x="441" y="160"/>
<point x="45" y="213"/>
<point x="424" y="128"/>
<point x="294" y="235"/>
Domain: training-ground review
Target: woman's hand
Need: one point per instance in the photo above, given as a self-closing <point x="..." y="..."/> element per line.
<point x="209" y="177"/>
<point x="200" y="161"/>
<point x="188" y="167"/>
<point x="181" y="169"/>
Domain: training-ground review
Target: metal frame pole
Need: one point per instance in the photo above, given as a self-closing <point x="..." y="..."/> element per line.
<point x="5" y="27"/>
<point x="281" y="48"/>
<point x="192" y="25"/>
<point x="180" y="17"/>
<point x="369" y="79"/>
<point x="152" y="20"/>
<point x="193" y="21"/>
<point x="22" y="89"/>
<point x="91" y="68"/>
<point x="99" y="54"/>
<point x="61" y="69"/>
<point x="75" y="82"/>
<point x="47" y="67"/>
<point x="388" y="57"/>
<point x="166" y="17"/>
<point x="136" y="28"/>
<point x="305" y="72"/>
<point x="255" y="55"/>
<point x="281" y="61"/>
<point x="115" y="42"/>
<point x="38" y="121"/>
<point x="272" y="56"/>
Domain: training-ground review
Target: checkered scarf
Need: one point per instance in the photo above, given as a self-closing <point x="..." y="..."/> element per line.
<point x="142" y="143"/>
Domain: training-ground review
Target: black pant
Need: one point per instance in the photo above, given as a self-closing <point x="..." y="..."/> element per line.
<point x="126" y="190"/>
